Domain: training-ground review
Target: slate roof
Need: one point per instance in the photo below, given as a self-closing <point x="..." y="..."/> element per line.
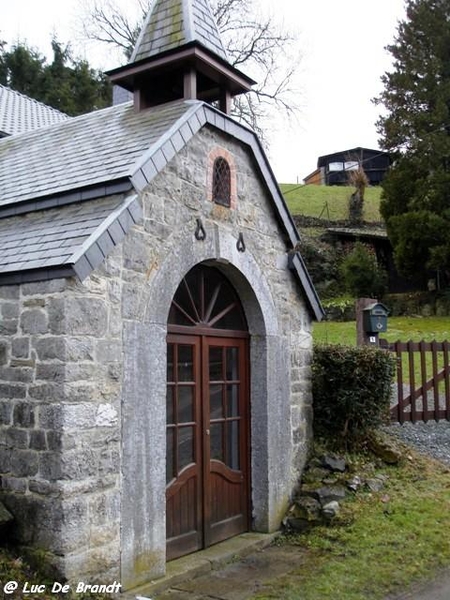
<point x="72" y="239"/>
<point x="99" y="147"/>
<point x="18" y="113"/>
<point x="172" y="23"/>
<point x="90" y="157"/>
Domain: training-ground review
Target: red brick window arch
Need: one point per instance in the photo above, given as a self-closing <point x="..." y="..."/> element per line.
<point x="222" y="178"/>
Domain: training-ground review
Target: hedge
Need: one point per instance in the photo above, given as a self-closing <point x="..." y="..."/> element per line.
<point x="352" y="388"/>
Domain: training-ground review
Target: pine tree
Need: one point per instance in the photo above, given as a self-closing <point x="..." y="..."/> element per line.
<point x="68" y="84"/>
<point x="416" y="130"/>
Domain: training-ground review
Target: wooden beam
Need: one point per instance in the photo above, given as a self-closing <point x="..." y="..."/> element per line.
<point x="190" y="84"/>
<point x="225" y="101"/>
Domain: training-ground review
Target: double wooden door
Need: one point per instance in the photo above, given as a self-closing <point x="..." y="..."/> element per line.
<point x="207" y="494"/>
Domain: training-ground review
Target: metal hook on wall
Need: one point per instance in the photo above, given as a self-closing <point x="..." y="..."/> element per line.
<point x="200" y="233"/>
<point x="240" y="244"/>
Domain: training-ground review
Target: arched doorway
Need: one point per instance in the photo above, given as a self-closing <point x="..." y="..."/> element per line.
<point x="207" y="462"/>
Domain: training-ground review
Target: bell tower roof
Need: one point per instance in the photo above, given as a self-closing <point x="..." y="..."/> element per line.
<point x="171" y="24"/>
<point x="180" y="55"/>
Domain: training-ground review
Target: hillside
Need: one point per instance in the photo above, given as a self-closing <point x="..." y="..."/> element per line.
<point x="329" y="202"/>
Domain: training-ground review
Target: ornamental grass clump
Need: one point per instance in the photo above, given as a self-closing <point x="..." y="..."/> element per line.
<point x="352" y="389"/>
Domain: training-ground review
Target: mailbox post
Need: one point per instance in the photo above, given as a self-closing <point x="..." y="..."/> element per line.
<point x="371" y="321"/>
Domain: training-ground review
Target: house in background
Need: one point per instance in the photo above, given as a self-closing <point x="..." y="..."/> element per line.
<point x="19" y="113"/>
<point x="334" y="169"/>
<point x="155" y="319"/>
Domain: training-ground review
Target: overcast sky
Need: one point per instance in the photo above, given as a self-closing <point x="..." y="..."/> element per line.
<point x="342" y="44"/>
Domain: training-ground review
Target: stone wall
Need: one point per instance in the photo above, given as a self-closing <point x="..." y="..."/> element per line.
<point x="82" y="375"/>
<point x="60" y="373"/>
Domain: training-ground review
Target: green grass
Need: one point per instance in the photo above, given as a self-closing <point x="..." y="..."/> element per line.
<point x="382" y="542"/>
<point x="329" y="202"/>
<point x="399" y="328"/>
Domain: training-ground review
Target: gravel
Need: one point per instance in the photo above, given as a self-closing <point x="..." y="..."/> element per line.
<point x="430" y="438"/>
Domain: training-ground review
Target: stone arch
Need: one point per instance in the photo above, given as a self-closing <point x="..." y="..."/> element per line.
<point x="144" y="391"/>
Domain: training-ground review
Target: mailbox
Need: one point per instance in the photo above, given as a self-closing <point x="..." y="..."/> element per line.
<point x="375" y="318"/>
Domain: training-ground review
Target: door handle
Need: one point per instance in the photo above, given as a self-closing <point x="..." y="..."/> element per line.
<point x="207" y="431"/>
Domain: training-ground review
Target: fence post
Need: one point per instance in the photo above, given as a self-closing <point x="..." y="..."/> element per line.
<point x="362" y="337"/>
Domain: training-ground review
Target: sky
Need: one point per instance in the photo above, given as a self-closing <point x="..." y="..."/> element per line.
<point x="342" y="48"/>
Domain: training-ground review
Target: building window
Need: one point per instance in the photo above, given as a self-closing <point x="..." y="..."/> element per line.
<point x="221" y="184"/>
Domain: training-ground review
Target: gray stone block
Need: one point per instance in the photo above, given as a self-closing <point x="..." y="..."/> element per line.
<point x="34" y="321"/>
<point x="20" y="374"/>
<point x="12" y="390"/>
<point x="54" y="372"/>
<point x="4" y="347"/>
<point x="38" y="440"/>
<point x="85" y="316"/>
<point x="46" y="392"/>
<point x="5" y="412"/>
<point x="49" y="348"/>
<point x="20" y="347"/>
<point x="9" y="292"/>
<point x="9" y="310"/>
<point x="24" y="463"/>
<point x="51" y="286"/>
<point x="9" y="326"/>
<point x="23" y="415"/>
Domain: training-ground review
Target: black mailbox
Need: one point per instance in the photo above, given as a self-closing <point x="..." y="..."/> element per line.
<point x="375" y="318"/>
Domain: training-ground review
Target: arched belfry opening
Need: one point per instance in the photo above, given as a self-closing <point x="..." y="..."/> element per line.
<point x="180" y="55"/>
<point x="207" y="414"/>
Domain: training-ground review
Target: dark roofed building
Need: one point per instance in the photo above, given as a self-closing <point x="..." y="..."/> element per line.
<point x="335" y="169"/>
<point x="155" y="332"/>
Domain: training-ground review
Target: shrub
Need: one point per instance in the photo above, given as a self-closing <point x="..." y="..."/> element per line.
<point x="361" y="274"/>
<point x="351" y="389"/>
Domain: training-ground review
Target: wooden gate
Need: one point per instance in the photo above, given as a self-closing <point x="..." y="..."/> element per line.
<point x="422" y="390"/>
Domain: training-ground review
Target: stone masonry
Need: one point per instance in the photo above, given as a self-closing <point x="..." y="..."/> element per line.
<point x="82" y="375"/>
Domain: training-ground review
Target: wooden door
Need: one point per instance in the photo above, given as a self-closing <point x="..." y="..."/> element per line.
<point x="207" y="494"/>
<point x="207" y="442"/>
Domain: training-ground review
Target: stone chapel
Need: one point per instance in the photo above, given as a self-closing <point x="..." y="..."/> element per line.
<point x="155" y="319"/>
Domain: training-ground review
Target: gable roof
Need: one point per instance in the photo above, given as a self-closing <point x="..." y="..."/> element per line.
<point x="19" y="113"/>
<point x="171" y="24"/>
<point x="93" y="156"/>
<point x="97" y="148"/>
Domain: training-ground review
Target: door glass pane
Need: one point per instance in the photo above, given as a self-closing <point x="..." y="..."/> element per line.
<point x="233" y="444"/>
<point x="169" y="403"/>
<point x="170" y="467"/>
<point x="185" y="404"/>
<point x="170" y="362"/>
<point x="217" y="441"/>
<point x="185" y="447"/>
<point x="232" y="371"/>
<point x="233" y="400"/>
<point x="185" y="363"/>
<point x="215" y="363"/>
<point x="216" y="403"/>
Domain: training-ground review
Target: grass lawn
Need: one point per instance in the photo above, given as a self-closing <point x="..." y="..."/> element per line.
<point x="399" y="328"/>
<point x="381" y="543"/>
<point x="329" y="202"/>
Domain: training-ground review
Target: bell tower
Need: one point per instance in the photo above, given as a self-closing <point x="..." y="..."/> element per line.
<point x="180" y="55"/>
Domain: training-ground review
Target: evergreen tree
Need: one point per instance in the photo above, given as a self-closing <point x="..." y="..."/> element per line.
<point x="416" y="130"/>
<point x="68" y="84"/>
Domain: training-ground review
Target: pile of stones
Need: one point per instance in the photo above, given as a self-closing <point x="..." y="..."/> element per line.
<point x="327" y="481"/>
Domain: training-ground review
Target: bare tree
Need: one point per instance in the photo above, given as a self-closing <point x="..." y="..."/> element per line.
<point x="256" y="44"/>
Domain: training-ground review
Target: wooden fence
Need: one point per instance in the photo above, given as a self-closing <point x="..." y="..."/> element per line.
<point x="422" y="390"/>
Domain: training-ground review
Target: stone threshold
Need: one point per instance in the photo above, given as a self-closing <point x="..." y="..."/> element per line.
<point x="202" y="562"/>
